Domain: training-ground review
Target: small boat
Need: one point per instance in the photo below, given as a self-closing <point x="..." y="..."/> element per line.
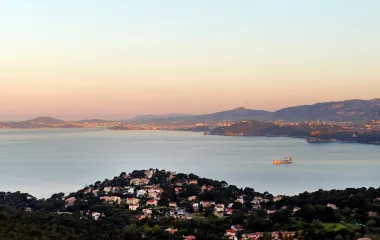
<point x="285" y="161"/>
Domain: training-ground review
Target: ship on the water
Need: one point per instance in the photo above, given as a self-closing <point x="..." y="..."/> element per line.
<point x="285" y="161"/>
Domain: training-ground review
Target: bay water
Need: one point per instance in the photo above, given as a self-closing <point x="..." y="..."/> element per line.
<point x="46" y="161"/>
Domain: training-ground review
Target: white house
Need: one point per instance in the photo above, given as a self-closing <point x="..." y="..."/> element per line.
<point x="195" y="207"/>
<point x="131" y="190"/>
<point x="237" y="228"/>
<point x="147" y="211"/>
<point x="296" y="209"/>
<point x="219" y="208"/>
<point x="207" y="203"/>
<point x="95" y="215"/>
<point x="141" y="193"/>
<point x="330" y="205"/>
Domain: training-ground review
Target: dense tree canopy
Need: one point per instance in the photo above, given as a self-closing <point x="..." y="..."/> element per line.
<point x="351" y="213"/>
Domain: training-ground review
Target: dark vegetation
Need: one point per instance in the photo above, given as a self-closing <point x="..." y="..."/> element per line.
<point x="355" y="215"/>
<point x="365" y="138"/>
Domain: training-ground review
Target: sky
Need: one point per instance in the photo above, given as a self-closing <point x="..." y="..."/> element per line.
<point x="114" y="59"/>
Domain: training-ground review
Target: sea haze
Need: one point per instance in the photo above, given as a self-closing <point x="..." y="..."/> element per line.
<point x="43" y="162"/>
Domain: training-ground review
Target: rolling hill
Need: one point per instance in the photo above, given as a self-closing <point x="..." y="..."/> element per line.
<point x="236" y="114"/>
<point x="361" y="110"/>
<point x="354" y="110"/>
<point x="349" y="110"/>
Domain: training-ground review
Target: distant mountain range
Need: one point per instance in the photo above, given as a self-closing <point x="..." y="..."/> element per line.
<point x="334" y="111"/>
<point x="352" y="110"/>
<point x="49" y="122"/>
<point x="236" y="114"/>
<point x="44" y="120"/>
<point x="163" y="116"/>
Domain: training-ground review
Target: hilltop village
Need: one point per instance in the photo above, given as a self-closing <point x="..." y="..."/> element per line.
<point x="159" y="204"/>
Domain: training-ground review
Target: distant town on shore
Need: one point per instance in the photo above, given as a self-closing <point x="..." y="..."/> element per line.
<point x="356" y="121"/>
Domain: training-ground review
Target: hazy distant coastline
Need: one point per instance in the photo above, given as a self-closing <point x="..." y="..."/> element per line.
<point x="356" y="121"/>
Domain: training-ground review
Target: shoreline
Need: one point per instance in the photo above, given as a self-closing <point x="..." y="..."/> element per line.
<point x="308" y="139"/>
<point x="319" y="140"/>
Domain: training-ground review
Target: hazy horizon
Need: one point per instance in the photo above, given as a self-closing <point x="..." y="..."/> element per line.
<point x="159" y="114"/>
<point x="92" y="59"/>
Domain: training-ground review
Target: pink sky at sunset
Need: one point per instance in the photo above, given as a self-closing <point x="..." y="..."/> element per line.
<point x="134" y="60"/>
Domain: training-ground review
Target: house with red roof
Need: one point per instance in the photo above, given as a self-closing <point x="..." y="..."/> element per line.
<point x="193" y="182"/>
<point x="171" y="231"/>
<point x="372" y="214"/>
<point x="270" y="212"/>
<point x="70" y="201"/>
<point x="206" y="188"/>
<point x="189" y="237"/>
<point x="207" y="203"/>
<point x="151" y="202"/>
<point x="231" y="234"/>
<point x="252" y="236"/>
<point x="237" y="228"/>
<point x="139" y="217"/>
<point x="219" y="207"/>
<point x="276" y="235"/>
<point x="177" y="190"/>
<point x="132" y="200"/>
<point x="147" y="212"/>
<point x="229" y="211"/>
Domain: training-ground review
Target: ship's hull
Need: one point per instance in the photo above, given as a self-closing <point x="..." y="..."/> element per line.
<point x="281" y="162"/>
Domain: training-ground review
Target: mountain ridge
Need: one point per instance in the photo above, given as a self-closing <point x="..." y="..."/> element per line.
<point x="347" y="110"/>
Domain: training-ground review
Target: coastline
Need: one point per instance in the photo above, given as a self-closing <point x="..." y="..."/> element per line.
<point x="321" y="140"/>
<point x="311" y="140"/>
<point x="308" y="139"/>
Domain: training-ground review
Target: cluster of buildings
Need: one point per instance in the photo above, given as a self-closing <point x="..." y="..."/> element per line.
<point x="143" y="198"/>
<point x="235" y="229"/>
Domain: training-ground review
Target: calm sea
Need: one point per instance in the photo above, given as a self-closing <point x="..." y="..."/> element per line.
<point x="42" y="162"/>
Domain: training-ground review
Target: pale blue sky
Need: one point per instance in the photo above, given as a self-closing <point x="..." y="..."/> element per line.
<point x="93" y="58"/>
